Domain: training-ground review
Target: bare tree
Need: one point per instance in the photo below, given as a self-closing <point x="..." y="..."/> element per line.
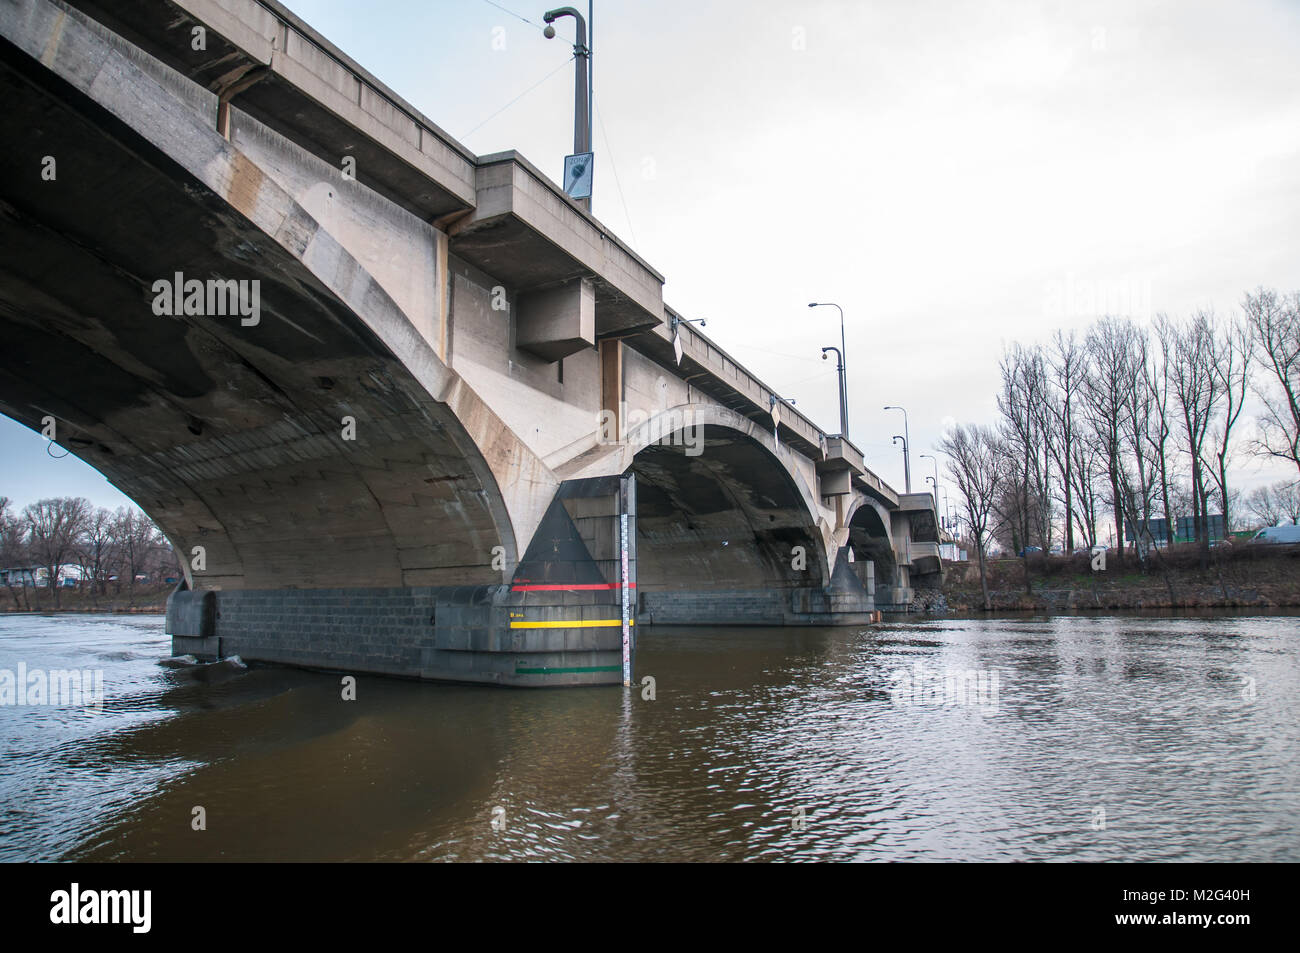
<point x="973" y="461"/>
<point x="1287" y="496"/>
<point x="1065" y="362"/>
<point x="1158" y="383"/>
<point x="1087" y="473"/>
<point x="14" y="554"/>
<point x="1260" y="504"/>
<point x="53" y="528"/>
<point x="1139" y="472"/>
<point x="1025" y="503"/>
<point x="1110" y="344"/>
<point x="1196" y="394"/>
<point x="97" y="549"/>
<point x="1273" y="505"/>
<point x="140" y="547"/>
<point x="1274" y="323"/>
<point x="1230" y="365"/>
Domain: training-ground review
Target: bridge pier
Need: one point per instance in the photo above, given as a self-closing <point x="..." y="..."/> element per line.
<point x="848" y="600"/>
<point x="558" y="623"/>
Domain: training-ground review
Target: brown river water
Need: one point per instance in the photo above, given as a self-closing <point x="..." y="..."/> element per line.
<point x="1069" y="738"/>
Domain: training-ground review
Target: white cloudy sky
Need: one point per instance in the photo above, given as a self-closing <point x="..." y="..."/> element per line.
<point x="944" y="171"/>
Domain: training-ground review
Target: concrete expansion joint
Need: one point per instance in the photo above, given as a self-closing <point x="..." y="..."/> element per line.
<point x="227" y="91"/>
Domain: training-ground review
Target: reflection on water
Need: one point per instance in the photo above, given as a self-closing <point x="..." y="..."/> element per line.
<point x="1115" y="738"/>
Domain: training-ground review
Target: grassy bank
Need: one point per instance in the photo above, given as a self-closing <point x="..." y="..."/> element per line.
<point x="143" y="598"/>
<point x="1239" y="576"/>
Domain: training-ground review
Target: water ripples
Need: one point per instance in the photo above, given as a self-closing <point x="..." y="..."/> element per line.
<point x="1108" y="738"/>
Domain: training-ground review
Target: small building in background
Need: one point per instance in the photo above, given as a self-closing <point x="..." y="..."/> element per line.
<point x="19" y="576"/>
<point x="70" y="576"/>
<point x="1187" y="528"/>
<point x="1156" y="531"/>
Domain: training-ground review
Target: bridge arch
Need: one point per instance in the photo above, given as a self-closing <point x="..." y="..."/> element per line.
<point x="234" y="437"/>
<point x="326" y="446"/>
<point x="720" y="505"/>
<point x="870" y="536"/>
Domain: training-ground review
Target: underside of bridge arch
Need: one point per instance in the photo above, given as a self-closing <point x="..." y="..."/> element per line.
<point x="338" y="479"/>
<point x="231" y="437"/>
<point x="724" y="536"/>
<point x="872" y="544"/>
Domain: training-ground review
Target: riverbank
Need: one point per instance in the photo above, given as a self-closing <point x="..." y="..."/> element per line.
<point x="1241" y="576"/>
<point x="141" y="599"/>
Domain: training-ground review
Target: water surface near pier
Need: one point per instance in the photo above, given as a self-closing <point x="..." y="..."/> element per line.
<point x="1109" y="738"/>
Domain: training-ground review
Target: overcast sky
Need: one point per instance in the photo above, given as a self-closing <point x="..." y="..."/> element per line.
<point x="955" y="175"/>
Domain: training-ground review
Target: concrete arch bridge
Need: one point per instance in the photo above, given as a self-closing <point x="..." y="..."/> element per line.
<point x="407" y="409"/>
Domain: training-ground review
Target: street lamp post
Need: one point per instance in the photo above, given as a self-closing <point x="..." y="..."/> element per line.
<point x="935" y="482"/>
<point x="935" y="462"/>
<point x="839" y="371"/>
<point x="907" y="476"/>
<point x="843" y="368"/>
<point x="581" y="83"/>
<point x="907" y="464"/>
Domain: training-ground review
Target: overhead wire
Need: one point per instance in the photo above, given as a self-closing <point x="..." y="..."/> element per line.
<point x="614" y="167"/>
<point x="517" y="16"/>
<point x="517" y="98"/>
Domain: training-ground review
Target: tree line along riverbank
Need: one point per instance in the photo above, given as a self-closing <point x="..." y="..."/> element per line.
<point x="1182" y="577"/>
<point x="142" y="598"/>
<point x="1241" y="576"/>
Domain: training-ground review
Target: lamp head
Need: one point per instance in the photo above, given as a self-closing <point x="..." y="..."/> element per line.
<point x="549" y="32"/>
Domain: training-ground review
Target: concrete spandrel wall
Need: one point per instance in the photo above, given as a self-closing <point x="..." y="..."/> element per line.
<point x="649" y="389"/>
<point x="807" y="471"/>
<point x="522" y="389"/>
<point x="398" y="250"/>
<point x="652" y="389"/>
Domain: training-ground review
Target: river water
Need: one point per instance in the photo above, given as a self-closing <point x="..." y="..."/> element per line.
<point x="1073" y="738"/>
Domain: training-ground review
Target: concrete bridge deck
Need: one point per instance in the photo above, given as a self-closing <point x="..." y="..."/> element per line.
<point x="453" y="438"/>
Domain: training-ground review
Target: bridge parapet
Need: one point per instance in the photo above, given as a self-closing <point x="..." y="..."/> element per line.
<point x="705" y="365"/>
<point x="290" y="77"/>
